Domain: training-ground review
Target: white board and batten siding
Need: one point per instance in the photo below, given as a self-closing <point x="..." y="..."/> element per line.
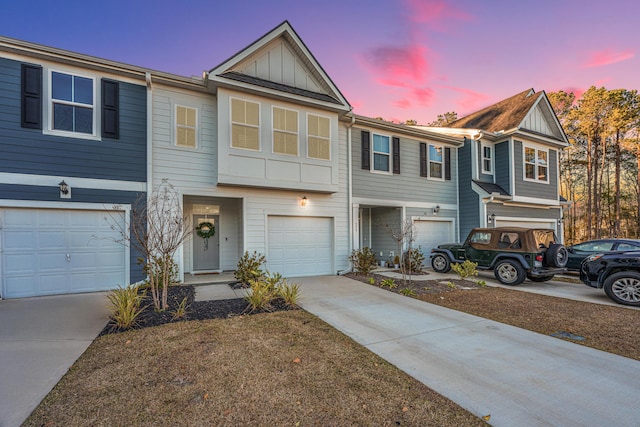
<point x="61" y="251"/>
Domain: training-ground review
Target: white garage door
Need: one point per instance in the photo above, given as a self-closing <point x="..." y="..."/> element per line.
<point x="300" y="246"/>
<point x="525" y="223"/>
<point x="57" y="251"/>
<point x="429" y="234"/>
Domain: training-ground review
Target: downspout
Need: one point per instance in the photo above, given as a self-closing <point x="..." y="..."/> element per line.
<point x="350" y="184"/>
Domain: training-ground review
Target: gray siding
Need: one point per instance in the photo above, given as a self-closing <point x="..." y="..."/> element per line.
<point x="469" y="200"/>
<point x="537" y="190"/>
<point x="32" y="152"/>
<point x="80" y="195"/>
<point x="503" y="166"/>
<point x="408" y="185"/>
<point x="382" y="219"/>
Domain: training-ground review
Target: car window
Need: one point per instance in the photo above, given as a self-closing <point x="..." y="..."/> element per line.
<point x="481" y="237"/>
<point x="628" y="247"/>
<point x="595" y="246"/>
<point x="509" y="240"/>
<point x="544" y="238"/>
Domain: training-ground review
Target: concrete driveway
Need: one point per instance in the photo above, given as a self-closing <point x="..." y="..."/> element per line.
<point x="518" y="377"/>
<point x="40" y="338"/>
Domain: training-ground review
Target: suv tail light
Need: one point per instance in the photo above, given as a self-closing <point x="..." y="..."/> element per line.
<point x="538" y="261"/>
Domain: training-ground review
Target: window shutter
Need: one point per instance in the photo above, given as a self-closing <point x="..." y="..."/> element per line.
<point x="396" y="155"/>
<point x="110" y="109"/>
<point x="366" y="150"/>
<point x="447" y="163"/>
<point x="31" y="97"/>
<point x="423" y="159"/>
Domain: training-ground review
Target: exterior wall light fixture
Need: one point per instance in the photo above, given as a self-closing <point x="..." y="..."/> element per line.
<point x="436" y="210"/>
<point x="303" y="201"/>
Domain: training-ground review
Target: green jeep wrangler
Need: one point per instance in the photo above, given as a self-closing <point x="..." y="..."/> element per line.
<point x="513" y="253"/>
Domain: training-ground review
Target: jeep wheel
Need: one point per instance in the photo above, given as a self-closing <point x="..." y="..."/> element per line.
<point x="509" y="273"/>
<point x="540" y="278"/>
<point x="556" y="256"/>
<point x="440" y="263"/>
<point x="624" y="288"/>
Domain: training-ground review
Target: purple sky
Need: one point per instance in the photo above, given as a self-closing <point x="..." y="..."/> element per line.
<point x="398" y="59"/>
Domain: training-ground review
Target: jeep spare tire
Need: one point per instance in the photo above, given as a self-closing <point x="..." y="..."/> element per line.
<point x="556" y="256"/>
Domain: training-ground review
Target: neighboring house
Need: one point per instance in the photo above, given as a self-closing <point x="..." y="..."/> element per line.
<point x="400" y="176"/>
<point x="509" y="172"/>
<point x="256" y="149"/>
<point x="73" y="151"/>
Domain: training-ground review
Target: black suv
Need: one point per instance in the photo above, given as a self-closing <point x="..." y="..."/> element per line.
<point x="513" y="253"/>
<point x="618" y="273"/>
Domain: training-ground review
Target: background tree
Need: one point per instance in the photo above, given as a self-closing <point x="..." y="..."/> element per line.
<point x="445" y="119"/>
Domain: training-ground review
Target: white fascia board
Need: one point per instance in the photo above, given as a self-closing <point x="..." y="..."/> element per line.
<point x="54" y="180"/>
<point x="368" y="202"/>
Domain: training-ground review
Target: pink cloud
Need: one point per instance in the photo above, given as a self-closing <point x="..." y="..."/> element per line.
<point x="423" y="96"/>
<point x="435" y="12"/>
<point x="400" y="66"/>
<point x="607" y="57"/>
<point x="471" y="100"/>
<point x="402" y="103"/>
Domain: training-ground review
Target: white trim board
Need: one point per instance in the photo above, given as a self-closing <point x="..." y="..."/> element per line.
<point x="54" y="180"/>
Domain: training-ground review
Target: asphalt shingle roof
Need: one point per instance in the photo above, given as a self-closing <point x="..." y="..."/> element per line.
<point x="504" y="115"/>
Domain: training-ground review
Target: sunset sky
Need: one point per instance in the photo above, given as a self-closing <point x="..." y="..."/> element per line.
<point x="397" y="59"/>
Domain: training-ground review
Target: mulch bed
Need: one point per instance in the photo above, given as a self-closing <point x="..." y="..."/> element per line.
<point x="196" y="310"/>
<point x="420" y="284"/>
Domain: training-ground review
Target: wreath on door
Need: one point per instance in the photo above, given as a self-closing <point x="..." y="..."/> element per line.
<point x="205" y="230"/>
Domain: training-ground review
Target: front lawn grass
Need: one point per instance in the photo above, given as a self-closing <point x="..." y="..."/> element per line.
<point x="282" y="368"/>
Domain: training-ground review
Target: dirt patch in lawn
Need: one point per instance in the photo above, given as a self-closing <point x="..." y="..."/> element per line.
<point x="283" y="368"/>
<point x="609" y="328"/>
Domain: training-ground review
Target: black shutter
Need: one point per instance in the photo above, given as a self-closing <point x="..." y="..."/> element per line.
<point x="366" y="148"/>
<point x="396" y="155"/>
<point x="110" y="109"/>
<point x="31" y="94"/>
<point x="423" y="159"/>
<point x="447" y="163"/>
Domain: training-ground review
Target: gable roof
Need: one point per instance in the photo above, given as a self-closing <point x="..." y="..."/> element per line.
<point x="514" y="114"/>
<point x="280" y="64"/>
<point x="504" y="115"/>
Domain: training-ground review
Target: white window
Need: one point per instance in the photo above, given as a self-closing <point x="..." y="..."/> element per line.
<point x="245" y="124"/>
<point x="436" y="161"/>
<point x="72" y="103"/>
<point x="186" y="126"/>
<point x="487" y="159"/>
<point x="318" y="137"/>
<point x="536" y="164"/>
<point x="285" y="131"/>
<point x="381" y="153"/>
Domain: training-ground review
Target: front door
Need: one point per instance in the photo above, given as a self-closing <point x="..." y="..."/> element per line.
<point x="206" y="251"/>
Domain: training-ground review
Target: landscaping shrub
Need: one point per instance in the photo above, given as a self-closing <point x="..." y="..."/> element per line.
<point x="289" y="292"/>
<point x="248" y="268"/>
<point x="413" y="260"/>
<point x="125" y="305"/>
<point x="363" y="260"/>
<point x="466" y="269"/>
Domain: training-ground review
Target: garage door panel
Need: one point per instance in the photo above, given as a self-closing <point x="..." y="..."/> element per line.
<point x="36" y="242"/>
<point x="430" y="234"/>
<point x="300" y="246"/>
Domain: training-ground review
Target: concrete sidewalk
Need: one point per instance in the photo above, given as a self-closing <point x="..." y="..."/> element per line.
<point x="40" y="338"/>
<point x="516" y="376"/>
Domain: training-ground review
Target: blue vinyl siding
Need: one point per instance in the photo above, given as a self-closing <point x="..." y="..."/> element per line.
<point x="503" y="166"/>
<point x="469" y="200"/>
<point x="105" y="197"/>
<point x="29" y="151"/>
<point x="538" y="190"/>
